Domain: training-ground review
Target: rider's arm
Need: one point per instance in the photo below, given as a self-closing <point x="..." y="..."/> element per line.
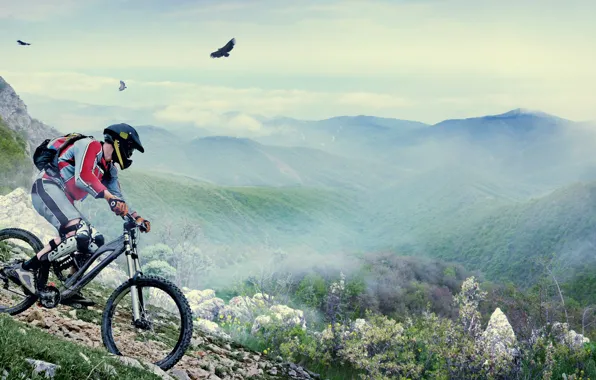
<point x="85" y="157"/>
<point x="113" y="185"/>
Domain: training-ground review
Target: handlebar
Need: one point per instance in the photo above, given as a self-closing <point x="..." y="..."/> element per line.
<point x="130" y="219"/>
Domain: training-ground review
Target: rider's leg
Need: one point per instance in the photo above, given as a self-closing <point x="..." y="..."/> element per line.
<point x="50" y="201"/>
<point x="47" y="248"/>
<point x="76" y="235"/>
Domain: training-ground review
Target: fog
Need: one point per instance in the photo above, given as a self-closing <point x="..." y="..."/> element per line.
<point x="403" y="187"/>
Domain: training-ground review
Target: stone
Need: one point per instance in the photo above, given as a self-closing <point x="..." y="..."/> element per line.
<point x="179" y="374"/>
<point x="40" y="367"/>
<point x="498" y="340"/>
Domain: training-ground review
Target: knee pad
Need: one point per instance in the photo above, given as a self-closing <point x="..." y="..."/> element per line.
<point x="64" y="248"/>
<point x="83" y="236"/>
<point x="97" y="240"/>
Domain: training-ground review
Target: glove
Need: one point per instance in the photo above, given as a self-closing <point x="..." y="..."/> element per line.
<point x="117" y="205"/>
<point x="144" y="223"/>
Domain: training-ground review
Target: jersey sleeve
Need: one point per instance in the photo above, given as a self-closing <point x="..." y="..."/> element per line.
<point x="86" y="154"/>
<point x="113" y="185"/>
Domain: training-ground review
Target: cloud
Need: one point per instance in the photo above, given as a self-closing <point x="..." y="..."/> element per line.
<point x="374" y="101"/>
<point x="239" y="124"/>
<point x="39" y="10"/>
<point x="183" y="102"/>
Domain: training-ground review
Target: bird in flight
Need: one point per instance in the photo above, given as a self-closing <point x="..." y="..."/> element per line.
<point x="224" y="51"/>
<point x="122" y="86"/>
<point x="23" y="43"/>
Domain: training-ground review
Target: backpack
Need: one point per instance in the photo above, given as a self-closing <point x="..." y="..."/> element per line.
<point x="46" y="157"/>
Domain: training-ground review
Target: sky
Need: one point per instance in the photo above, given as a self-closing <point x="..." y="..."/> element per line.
<point x="423" y="60"/>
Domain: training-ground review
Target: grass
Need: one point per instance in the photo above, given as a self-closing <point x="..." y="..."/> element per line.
<point x="19" y="341"/>
<point x="15" y="166"/>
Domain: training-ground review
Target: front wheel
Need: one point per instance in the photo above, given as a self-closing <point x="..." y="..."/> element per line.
<point x="164" y="330"/>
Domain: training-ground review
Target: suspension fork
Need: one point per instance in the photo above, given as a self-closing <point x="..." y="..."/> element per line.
<point x="134" y="268"/>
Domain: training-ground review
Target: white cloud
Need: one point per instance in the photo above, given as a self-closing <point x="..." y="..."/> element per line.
<point x="178" y="102"/>
<point x="374" y="101"/>
<point x="39" y="10"/>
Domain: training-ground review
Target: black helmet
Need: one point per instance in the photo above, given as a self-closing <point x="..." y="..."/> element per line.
<point x="125" y="140"/>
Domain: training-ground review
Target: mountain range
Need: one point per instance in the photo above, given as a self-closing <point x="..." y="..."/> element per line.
<point x="370" y="183"/>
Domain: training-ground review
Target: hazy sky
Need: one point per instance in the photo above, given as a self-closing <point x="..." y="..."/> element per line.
<point x="425" y="60"/>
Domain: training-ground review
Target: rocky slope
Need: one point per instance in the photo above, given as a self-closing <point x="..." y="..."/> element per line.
<point x="14" y="112"/>
<point x="209" y="357"/>
<point x="16" y="211"/>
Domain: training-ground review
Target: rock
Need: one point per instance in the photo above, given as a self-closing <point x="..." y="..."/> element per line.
<point x="17" y="211"/>
<point x="128" y="361"/>
<point x="45" y="368"/>
<point x="111" y="277"/>
<point x="498" y="341"/>
<point x="569" y="337"/>
<point x="197" y="342"/>
<point x="197" y="373"/>
<point x="156" y="370"/>
<point x="14" y="112"/>
<point x="273" y="371"/>
<point x="211" y="328"/>
<point x="208" y="309"/>
<point x="109" y="370"/>
<point x="179" y="374"/>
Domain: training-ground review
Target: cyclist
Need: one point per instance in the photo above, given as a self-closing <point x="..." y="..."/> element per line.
<point x="85" y="167"/>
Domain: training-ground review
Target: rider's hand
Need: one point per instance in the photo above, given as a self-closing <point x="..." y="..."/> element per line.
<point x="143" y="222"/>
<point x="117" y="205"/>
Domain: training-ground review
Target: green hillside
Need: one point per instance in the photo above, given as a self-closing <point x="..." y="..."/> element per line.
<point x="15" y="165"/>
<point x="506" y="243"/>
<point x="231" y="215"/>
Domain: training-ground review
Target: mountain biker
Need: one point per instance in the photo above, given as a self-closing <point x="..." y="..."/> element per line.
<point x="85" y="167"/>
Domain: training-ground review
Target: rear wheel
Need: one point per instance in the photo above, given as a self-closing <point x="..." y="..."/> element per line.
<point x="16" y="245"/>
<point x="164" y="331"/>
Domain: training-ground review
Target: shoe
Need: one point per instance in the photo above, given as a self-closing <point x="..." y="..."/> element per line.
<point x="21" y="276"/>
<point x="77" y="298"/>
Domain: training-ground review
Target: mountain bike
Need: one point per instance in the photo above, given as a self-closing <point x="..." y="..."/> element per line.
<point x="136" y="314"/>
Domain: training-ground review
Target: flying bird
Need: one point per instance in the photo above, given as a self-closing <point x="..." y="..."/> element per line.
<point x="23" y="43"/>
<point x="224" y="51"/>
<point x="122" y="86"/>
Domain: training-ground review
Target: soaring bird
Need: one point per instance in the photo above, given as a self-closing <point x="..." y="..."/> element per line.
<point x="122" y="86"/>
<point x="23" y="43"/>
<point x="224" y="51"/>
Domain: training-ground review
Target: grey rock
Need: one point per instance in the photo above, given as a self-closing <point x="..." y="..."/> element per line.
<point x="179" y="374"/>
<point x="14" y="112"/>
<point x="109" y="370"/>
<point x="40" y="367"/>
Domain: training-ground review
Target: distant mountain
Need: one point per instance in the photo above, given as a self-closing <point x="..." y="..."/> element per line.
<point x="344" y="135"/>
<point x="519" y="124"/>
<point x="244" y="162"/>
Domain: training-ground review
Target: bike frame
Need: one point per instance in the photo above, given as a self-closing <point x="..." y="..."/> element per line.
<point x="127" y="244"/>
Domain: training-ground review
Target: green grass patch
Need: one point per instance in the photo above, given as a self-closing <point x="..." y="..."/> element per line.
<point x="19" y="342"/>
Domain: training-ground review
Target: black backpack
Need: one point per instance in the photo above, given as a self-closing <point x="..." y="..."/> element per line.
<point x="46" y="158"/>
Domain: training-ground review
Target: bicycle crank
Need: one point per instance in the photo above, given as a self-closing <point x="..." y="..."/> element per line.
<point x="49" y="297"/>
